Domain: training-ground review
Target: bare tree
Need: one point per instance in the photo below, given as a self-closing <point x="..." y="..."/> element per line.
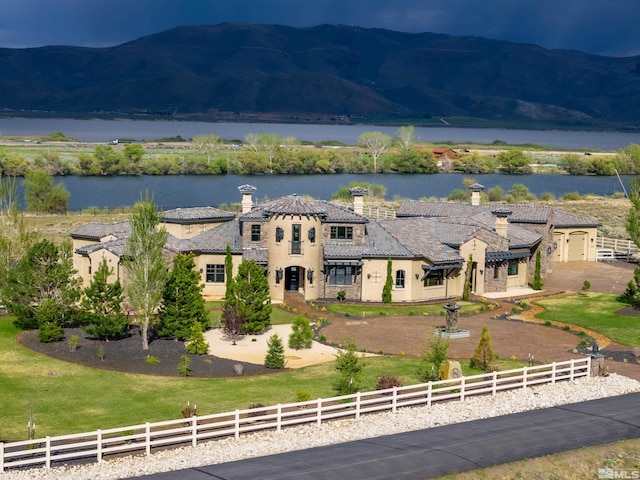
<point x="270" y="143"/>
<point x="145" y="264"/>
<point x="209" y="144"/>
<point x="405" y="136"/>
<point x="375" y="143"/>
<point x="251" y="142"/>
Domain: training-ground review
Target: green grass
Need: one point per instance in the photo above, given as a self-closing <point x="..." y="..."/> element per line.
<point x="359" y="310"/>
<point x="594" y="311"/>
<point x="68" y="398"/>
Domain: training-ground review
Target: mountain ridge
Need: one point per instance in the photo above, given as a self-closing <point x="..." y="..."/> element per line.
<point x="334" y="72"/>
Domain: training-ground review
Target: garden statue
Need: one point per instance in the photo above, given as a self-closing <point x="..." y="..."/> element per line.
<point x="452" y="316"/>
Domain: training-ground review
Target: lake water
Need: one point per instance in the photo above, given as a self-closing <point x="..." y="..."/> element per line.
<point x="105" y="130"/>
<point x="214" y="190"/>
<point x="185" y="191"/>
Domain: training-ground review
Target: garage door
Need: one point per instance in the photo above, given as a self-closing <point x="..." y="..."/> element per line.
<point x="577" y="246"/>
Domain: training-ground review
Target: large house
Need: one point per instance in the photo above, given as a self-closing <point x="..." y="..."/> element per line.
<point x="318" y="248"/>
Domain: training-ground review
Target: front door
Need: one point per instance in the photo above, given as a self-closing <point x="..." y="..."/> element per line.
<point x="292" y="279"/>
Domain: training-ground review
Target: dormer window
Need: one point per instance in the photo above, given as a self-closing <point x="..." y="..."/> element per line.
<point x="341" y="233"/>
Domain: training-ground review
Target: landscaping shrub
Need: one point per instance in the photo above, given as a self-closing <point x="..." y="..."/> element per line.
<point x="196" y="344"/>
<point x="484" y="354"/>
<point x="275" y="353"/>
<point x="184" y="367"/>
<point x="151" y="360"/>
<point x="301" y="334"/>
<point x="387" y="381"/>
<point x="50" y="332"/>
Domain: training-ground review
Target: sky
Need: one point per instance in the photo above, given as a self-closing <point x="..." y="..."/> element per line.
<point x="604" y="27"/>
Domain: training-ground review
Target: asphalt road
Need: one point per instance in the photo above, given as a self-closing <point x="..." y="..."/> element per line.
<point x="443" y="450"/>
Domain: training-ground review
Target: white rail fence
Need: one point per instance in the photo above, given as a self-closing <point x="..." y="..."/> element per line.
<point x="149" y="437"/>
<point x="611" y="249"/>
<point x="377" y="213"/>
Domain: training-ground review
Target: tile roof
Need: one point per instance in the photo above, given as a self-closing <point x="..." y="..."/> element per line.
<point x="215" y="240"/>
<point x="564" y="220"/>
<point x="196" y="215"/>
<point x="96" y="231"/>
<point x="296" y="205"/>
<point x="521" y="213"/>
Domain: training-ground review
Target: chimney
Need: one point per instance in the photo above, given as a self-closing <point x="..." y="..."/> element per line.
<point x="358" y="201"/>
<point x="247" y="202"/>
<point x="501" y="224"/>
<point x="476" y="190"/>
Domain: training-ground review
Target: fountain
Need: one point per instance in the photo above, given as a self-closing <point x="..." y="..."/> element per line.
<point x="451" y="330"/>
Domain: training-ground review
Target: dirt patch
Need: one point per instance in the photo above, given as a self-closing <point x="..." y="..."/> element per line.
<point x="628" y="311"/>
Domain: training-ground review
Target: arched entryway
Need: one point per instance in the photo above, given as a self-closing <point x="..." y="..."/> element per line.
<point x="294" y="278"/>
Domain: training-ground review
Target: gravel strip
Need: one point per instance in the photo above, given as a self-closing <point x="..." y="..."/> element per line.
<point x="368" y="426"/>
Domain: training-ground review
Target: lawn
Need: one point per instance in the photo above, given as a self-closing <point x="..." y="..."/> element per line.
<point x="383" y="310"/>
<point x="66" y="398"/>
<point x="595" y="311"/>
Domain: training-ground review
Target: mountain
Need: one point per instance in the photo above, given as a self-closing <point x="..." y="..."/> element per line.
<point x="323" y="72"/>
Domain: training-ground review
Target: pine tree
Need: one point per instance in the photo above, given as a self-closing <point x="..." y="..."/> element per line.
<point x="350" y="366"/>
<point x="182" y="301"/>
<point x="484" y="354"/>
<point x="196" y="343"/>
<point x="301" y="333"/>
<point x="632" y="293"/>
<point x="537" y="277"/>
<point x="102" y="305"/>
<point x="252" y="297"/>
<point x="275" y="352"/>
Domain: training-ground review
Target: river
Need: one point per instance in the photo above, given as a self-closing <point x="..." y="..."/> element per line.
<point x="106" y="130"/>
<point x="180" y="191"/>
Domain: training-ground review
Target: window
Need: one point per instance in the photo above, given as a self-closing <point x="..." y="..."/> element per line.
<point x="215" y="273"/>
<point x="255" y="233"/>
<point x="434" y="278"/>
<point x="399" y="278"/>
<point x="341" y="233"/>
<point x="513" y="267"/>
<point x="296" y="243"/>
<point x="340" y="275"/>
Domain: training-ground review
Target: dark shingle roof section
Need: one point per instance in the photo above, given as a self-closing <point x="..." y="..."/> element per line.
<point x="96" y="231"/>
<point x="521" y="213"/>
<point x="295" y="205"/>
<point x="567" y="220"/>
<point x="197" y="215"/>
<point x="116" y="247"/>
<point x="215" y="240"/>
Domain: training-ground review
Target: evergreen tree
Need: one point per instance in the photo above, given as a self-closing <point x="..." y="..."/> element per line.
<point x="301" y="333"/>
<point x="275" y="352"/>
<point x="146" y="267"/>
<point x="41" y="195"/>
<point x="632" y="293"/>
<point x="388" y="284"/>
<point x="44" y="274"/>
<point x="350" y="366"/>
<point x="196" y="343"/>
<point x="228" y="276"/>
<point x="466" y="293"/>
<point x="102" y="305"/>
<point x="537" y="278"/>
<point x="182" y="301"/>
<point x="484" y="354"/>
<point x="434" y="357"/>
<point x="251" y="297"/>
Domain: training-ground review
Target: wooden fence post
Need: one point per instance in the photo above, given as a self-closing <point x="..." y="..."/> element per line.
<point x="573" y="367"/>
<point x="553" y="373"/>
<point x="237" y="432"/>
<point x="319" y="412"/>
<point x="279" y="418"/>
<point x="147" y="438"/>
<point x="1" y="457"/>
<point x="357" y="405"/>
<point x="48" y="452"/>
<point x="394" y="399"/>
<point x="429" y="394"/>
<point x="524" y="377"/>
<point x="462" y="386"/>
<point x="494" y="386"/>
<point x="194" y="431"/>
<point x="99" y="445"/>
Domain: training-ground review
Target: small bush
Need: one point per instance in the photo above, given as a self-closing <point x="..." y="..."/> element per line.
<point x="303" y="396"/>
<point x="73" y="342"/>
<point x="387" y="381"/>
<point x="566" y="327"/>
<point x="301" y="334"/>
<point x="50" y="332"/>
<point x="347" y="315"/>
<point x="547" y="323"/>
<point x="188" y="411"/>
<point x="101" y="354"/>
<point x="151" y="360"/>
<point x="571" y="196"/>
<point x="322" y="339"/>
<point x="256" y="405"/>
<point x="184" y="367"/>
